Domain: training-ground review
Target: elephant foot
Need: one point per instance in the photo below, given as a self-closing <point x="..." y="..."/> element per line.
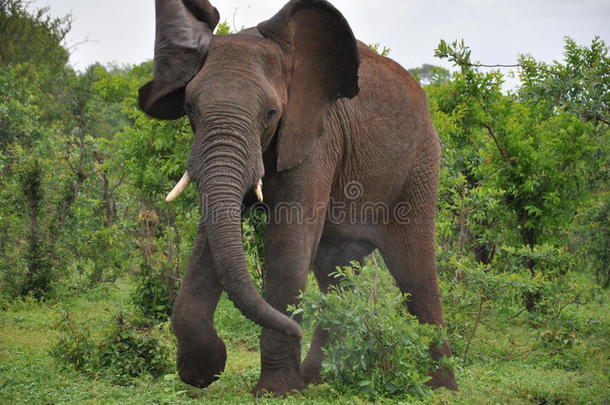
<point x="311" y="371"/>
<point x="279" y="384"/>
<point x="202" y="367"/>
<point x="443" y="378"/>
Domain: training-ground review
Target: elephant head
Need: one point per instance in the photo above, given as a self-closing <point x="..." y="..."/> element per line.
<point x="269" y="86"/>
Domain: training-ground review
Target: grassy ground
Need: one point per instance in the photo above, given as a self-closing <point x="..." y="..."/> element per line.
<point x="494" y="373"/>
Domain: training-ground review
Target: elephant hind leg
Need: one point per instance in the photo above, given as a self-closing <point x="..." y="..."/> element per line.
<point x="201" y="353"/>
<point x="408" y="250"/>
<point x="410" y="258"/>
<point x="331" y="254"/>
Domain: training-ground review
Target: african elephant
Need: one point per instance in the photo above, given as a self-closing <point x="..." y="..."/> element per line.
<point x="301" y="106"/>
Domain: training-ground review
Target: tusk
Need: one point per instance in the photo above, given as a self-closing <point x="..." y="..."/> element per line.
<point x="180" y="187"/>
<point x="259" y="190"/>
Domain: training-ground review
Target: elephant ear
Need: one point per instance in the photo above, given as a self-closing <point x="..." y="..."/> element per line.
<point x="183" y="34"/>
<point x="325" y="64"/>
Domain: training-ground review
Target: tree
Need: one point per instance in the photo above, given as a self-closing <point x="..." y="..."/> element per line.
<point x="430" y="74"/>
<point x="33" y="38"/>
<point x="534" y="158"/>
<point x="580" y="85"/>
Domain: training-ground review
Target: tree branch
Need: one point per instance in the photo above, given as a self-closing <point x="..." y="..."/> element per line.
<point x="517" y="65"/>
<point x="503" y="152"/>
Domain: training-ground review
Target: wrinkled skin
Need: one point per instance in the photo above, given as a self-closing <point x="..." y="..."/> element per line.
<point x="323" y="121"/>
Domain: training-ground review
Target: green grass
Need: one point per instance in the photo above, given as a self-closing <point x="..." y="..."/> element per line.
<point x="494" y="373"/>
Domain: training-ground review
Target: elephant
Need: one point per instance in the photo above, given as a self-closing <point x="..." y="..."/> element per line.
<point x="332" y="134"/>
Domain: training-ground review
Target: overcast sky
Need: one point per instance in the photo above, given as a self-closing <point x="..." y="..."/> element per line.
<point x="122" y="31"/>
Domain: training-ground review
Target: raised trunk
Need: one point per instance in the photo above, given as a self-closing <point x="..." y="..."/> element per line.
<point x="222" y="183"/>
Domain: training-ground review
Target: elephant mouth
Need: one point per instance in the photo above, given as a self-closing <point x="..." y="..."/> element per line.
<point x="186" y="180"/>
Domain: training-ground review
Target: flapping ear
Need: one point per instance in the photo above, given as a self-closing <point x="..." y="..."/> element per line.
<point x="183" y="35"/>
<point x="325" y="64"/>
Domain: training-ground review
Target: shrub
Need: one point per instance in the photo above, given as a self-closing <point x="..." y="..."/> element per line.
<point x="151" y="295"/>
<point x="472" y="292"/>
<point x="556" y="341"/>
<point x="75" y="345"/>
<point x="124" y="350"/>
<point x="376" y="348"/>
<point x="131" y="351"/>
<point x="480" y="297"/>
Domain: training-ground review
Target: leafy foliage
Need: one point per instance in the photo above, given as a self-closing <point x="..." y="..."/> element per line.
<point x="253" y="227"/>
<point x="385" y="51"/>
<point x="375" y="349"/>
<point x="580" y="85"/>
<point x="595" y="233"/>
<point x="513" y="169"/>
<point x="429" y="74"/>
<point x="39" y="269"/>
<point x="33" y="38"/>
<point x="124" y="351"/>
<point x="131" y="352"/>
<point x="151" y="295"/>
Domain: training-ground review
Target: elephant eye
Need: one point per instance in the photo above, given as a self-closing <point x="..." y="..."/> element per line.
<point x="271" y="114"/>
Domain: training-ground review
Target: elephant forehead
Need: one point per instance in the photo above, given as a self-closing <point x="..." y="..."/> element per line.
<point x="240" y="65"/>
<point x="244" y="51"/>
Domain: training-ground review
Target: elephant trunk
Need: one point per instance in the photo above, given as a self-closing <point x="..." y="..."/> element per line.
<point x="224" y="179"/>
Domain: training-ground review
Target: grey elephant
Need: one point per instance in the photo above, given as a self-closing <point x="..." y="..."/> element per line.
<point x="300" y="107"/>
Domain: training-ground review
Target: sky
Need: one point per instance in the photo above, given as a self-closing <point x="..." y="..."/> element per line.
<point x="122" y="31"/>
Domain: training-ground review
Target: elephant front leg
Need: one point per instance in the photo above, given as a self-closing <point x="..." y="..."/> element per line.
<point x="288" y="258"/>
<point x="201" y="353"/>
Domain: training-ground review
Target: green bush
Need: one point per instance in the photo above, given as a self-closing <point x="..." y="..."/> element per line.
<point x="124" y="350"/>
<point x="131" y="351"/>
<point x="472" y="293"/>
<point x="556" y="341"/>
<point x="75" y="345"/>
<point x="151" y="295"/>
<point x="376" y="349"/>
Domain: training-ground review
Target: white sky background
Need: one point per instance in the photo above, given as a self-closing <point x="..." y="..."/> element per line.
<point x="122" y="31"/>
